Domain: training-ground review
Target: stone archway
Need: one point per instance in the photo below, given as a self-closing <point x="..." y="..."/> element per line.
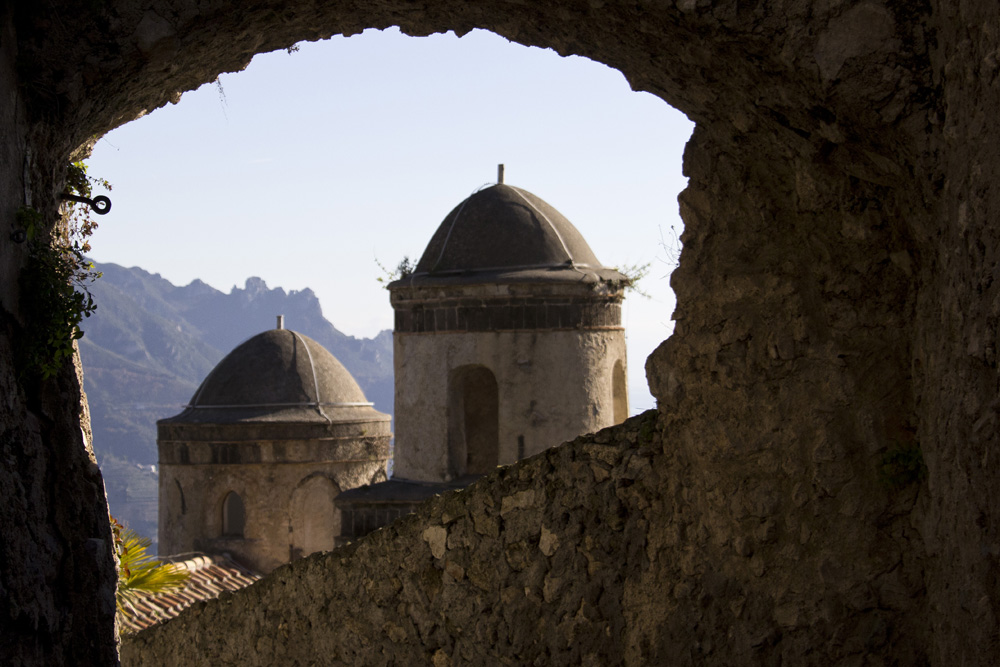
<point x="836" y="318"/>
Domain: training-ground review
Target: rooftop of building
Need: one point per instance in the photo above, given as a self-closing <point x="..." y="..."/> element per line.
<point x="208" y="577"/>
<point x="503" y="233"/>
<point x="277" y="376"/>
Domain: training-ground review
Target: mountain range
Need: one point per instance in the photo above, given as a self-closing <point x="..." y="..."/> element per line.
<point x="149" y="345"/>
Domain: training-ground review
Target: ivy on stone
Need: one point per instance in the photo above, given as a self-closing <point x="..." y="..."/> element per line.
<point x="54" y="284"/>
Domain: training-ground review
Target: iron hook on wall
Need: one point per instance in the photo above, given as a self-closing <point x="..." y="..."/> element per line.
<point x="100" y="204"/>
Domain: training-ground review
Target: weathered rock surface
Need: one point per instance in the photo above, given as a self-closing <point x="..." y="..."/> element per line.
<point x="837" y="323"/>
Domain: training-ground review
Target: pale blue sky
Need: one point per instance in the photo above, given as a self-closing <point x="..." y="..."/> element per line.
<point x="307" y="166"/>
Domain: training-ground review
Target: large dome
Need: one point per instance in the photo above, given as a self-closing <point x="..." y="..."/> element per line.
<point x="505" y="230"/>
<point x="278" y="375"/>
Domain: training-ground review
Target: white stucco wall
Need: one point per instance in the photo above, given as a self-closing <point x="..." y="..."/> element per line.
<point x="552" y="386"/>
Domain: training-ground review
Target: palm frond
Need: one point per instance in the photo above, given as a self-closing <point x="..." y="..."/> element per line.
<point x="139" y="572"/>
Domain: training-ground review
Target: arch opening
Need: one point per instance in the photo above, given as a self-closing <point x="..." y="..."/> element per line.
<point x="233" y="516"/>
<point x="383" y="150"/>
<point x="661" y="59"/>
<point x="210" y="221"/>
<point x="473" y="421"/>
<point x="314" y="521"/>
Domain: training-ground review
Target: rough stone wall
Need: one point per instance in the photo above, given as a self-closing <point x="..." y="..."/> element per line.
<point x="509" y="571"/>
<point x="837" y="307"/>
<point x="955" y="338"/>
<point x="57" y="573"/>
<point x="784" y="389"/>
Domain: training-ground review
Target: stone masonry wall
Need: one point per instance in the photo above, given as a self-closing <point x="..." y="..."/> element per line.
<point x="592" y="566"/>
<point x="509" y="571"/>
<point x="957" y="326"/>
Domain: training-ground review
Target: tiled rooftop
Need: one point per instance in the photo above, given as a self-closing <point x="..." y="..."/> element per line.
<point x="209" y="577"/>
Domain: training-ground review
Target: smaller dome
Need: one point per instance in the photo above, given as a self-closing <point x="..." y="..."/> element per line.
<point x="503" y="228"/>
<point x="279" y="375"/>
<point x="276" y="368"/>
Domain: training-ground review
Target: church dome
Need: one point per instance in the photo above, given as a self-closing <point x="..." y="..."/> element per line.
<point x="278" y="368"/>
<point x="278" y="375"/>
<point x="506" y="231"/>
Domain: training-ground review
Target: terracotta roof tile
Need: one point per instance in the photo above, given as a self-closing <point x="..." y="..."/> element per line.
<point x="209" y="577"/>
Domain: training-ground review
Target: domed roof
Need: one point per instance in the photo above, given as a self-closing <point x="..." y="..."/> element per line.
<point x="505" y="230"/>
<point x="278" y="375"/>
<point x="276" y="368"/>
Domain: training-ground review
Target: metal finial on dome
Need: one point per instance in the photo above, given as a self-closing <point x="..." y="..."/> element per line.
<point x="499" y="174"/>
<point x="281" y="322"/>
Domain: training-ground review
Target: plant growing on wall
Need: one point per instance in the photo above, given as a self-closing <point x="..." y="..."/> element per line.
<point x="405" y="268"/>
<point x="633" y="273"/>
<point x="138" y="572"/>
<point x="54" y="283"/>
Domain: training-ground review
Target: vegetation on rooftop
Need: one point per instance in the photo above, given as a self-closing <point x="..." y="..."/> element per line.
<point x="633" y="273"/>
<point x="405" y="268"/>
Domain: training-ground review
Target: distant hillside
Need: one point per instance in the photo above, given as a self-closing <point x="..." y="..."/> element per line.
<point x="151" y="343"/>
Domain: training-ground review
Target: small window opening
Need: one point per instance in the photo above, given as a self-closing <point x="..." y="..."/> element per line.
<point x="473" y="423"/>
<point x="233" y="515"/>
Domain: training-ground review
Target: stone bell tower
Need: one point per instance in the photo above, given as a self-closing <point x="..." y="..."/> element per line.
<point x="508" y="339"/>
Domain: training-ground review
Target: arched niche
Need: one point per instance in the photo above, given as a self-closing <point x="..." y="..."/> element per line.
<point x="313" y="519"/>
<point x="473" y="421"/>
<point x="233" y="516"/>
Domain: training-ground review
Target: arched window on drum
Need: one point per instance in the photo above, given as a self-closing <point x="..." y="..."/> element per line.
<point x="473" y="422"/>
<point x="233" y="515"/>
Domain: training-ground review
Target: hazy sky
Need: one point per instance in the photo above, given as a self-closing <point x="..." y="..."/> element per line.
<point x="307" y="166"/>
